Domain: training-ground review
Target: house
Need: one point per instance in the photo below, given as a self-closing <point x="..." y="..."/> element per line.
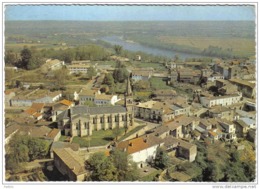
<point x="229" y="130"/>
<point x="242" y="113"/>
<point x="189" y="76"/>
<point x="154" y="111"/>
<point x="69" y="163"/>
<point x="97" y="98"/>
<point x="54" y="135"/>
<point x="35" y="111"/>
<point x="164" y="94"/>
<point x="53" y="64"/>
<point x="221" y="112"/>
<point x="57" y="108"/>
<point x="78" y="68"/>
<point x="103" y="99"/>
<point x="138" y="75"/>
<point x="213" y="77"/>
<point x="248" y="89"/>
<point x="87" y="95"/>
<point x="215" y="134"/>
<point x="241" y="128"/>
<point x="62" y="145"/>
<point x="138" y="57"/>
<point x="28" y="97"/>
<point x="205" y="124"/>
<point x="182" y="148"/>
<point x="220" y="100"/>
<point x="249" y="122"/>
<point x="141" y="149"/>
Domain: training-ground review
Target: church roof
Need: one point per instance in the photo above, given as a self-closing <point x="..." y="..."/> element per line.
<point x="97" y="110"/>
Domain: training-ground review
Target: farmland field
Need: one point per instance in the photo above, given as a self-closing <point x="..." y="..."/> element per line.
<point x="240" y="46"/>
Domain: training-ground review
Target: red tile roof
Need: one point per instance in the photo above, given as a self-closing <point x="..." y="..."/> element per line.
<point x="53" y="133"/>
<point x="66" y="102"/>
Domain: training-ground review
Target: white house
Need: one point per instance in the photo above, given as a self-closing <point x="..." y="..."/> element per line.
<point x="53" y="64"/>
<point x="142" y="149"/>
<point x="78" y="68"/>
<point x="103" y="99"/>
<point x="220" y="100"/>
<point x="214" y="77"/>
<point x="229" y="129"/>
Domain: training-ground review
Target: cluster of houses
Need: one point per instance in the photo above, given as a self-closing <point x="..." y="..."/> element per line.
<point x="226" y="114"/>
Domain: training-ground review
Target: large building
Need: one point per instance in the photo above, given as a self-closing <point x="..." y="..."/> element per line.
<point x="220" y="100"/>
<point x="82" y="120"/>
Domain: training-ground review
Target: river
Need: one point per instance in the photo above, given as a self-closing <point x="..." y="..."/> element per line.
<point x="132" y="46"/>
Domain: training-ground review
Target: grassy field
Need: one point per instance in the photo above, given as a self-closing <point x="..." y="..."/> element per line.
<point x="156" y="66"/>
<point x="98" y="138"/>
<point x="158" y="83"/>
<point x="240" y="46"/>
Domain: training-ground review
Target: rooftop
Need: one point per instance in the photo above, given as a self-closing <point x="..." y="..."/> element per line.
<point x="243" y="82"/>
<point x="54" y="132"/>
<point x="97" y="110"/>
<point x="71" y="159"/>
<point x="66" y="102"/>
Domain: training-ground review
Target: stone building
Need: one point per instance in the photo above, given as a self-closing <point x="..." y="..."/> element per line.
<point x="82" y="120"/>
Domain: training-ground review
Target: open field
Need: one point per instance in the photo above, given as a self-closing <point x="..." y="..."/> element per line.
<point x="158" y="83"/>
<point x="240" y="46"/>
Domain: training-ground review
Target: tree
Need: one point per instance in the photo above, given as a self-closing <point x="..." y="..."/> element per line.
<point x="91" y="72"/>
<point x="108" y="80"/>
<point x="126" y="168"/>
<point x="118" y="49"/>
<point x="161" y="158"/>
<point x="61" y="76"/>
<point x="24" y="149"/>
<point x="30" y="58"/>
<point x="101" y="167"/>
<point x="120" y="75"/>
<point x="10" y="57"/>
<point x="37" y="148"/>
<point x="141" y="85"/>
<point x="26" y="55"/>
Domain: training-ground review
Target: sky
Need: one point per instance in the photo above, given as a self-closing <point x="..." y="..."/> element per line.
<point x="128" y="13"/>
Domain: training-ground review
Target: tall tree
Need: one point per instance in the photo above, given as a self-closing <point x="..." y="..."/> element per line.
<point x="161" y="158"/>
<point x="91" y="72"/>
<point x="108" y="80"/>
<point x="120" y="75"/>
<point x="10" y="57"/>
<point x="126" y="168"/>
<point x="118" y="49"/>
<point x="102" y="169"/>
<point x="26" y="55"/>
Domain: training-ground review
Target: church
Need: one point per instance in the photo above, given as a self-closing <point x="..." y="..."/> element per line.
<point x="82" y="120"/>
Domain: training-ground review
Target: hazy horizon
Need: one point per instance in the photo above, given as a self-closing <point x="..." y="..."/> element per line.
<point x="71" y="12"/>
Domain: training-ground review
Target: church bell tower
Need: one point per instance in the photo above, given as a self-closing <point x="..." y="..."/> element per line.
<point x="129" y="102"/>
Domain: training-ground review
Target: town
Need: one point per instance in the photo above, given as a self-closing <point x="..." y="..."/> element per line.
<point x="209" y="105"/>
<point x="144" y="100"/>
